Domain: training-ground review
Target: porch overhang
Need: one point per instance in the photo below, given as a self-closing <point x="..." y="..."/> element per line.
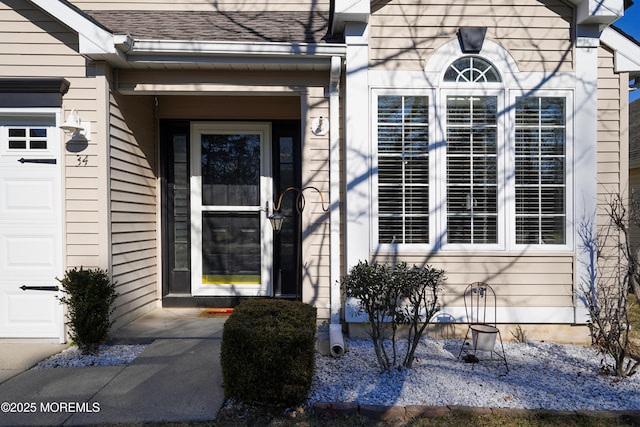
<point x="98" y="43"/>
<point x="173" y="54"/>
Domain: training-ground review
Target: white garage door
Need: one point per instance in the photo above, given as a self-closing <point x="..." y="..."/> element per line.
<point x="30" y="228"/>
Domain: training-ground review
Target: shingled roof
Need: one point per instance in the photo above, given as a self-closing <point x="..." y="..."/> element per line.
<point x="634" y="134"/>
<point x="301" y="27"/>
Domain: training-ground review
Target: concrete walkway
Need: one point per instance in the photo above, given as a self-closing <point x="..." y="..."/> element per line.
<point x="177" y="378"/>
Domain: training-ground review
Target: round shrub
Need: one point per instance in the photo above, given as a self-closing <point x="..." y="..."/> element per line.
<point x="89" y="296"/>
<point x="268" y="352"/>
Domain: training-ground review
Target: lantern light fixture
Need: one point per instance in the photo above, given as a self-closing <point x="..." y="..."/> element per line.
<point x="76" y="128"/>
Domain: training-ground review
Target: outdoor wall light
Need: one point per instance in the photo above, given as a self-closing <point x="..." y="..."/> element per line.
<point x="77" y="129"/>
<point x="276" y="219"/>
<point x="471" y="38"/>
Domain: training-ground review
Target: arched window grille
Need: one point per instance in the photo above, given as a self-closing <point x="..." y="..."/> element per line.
<point x="472" y="69"/>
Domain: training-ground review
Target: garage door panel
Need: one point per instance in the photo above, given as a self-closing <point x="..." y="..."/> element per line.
<point x="30" y="314"/>
<point x="31" y="198"/>
<point x="28" y="252"/>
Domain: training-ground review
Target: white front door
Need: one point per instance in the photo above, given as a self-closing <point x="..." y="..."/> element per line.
<point x="30" y="227"/>
<point x="231" y="185"/>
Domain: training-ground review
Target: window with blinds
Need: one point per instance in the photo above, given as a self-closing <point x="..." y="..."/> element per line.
<point x="472" y="181"/>
<point x="540" y="155"/>
<point x="499" y="162"/>
<point x="403" y="169"/>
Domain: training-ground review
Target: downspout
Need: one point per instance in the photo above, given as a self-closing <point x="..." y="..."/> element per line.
<point x="336" y="339"/>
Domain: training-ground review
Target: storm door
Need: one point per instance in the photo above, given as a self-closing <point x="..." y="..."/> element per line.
<point x="231" y="190"/>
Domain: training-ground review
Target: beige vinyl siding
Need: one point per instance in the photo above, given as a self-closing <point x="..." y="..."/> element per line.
<point x="315" y="172"/>
<point x="85" y="182"/>
<point x="612" y="139"/>
<point x="202" y="5"/>
<point x="34" y="44"/>
<point x="634" y="185"/>
<point x="613" y="155"/>
<point x="133" y="205"/>
<point x="544" y="280"/>
<point x="538" y="34"/>
<point x="44" y="47"/>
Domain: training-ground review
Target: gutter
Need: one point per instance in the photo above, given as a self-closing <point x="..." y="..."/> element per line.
<point x="131" y="52"/>
<point x="229" y="48"/>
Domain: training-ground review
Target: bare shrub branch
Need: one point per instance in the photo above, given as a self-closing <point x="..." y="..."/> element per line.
<point x="605" y="292"/>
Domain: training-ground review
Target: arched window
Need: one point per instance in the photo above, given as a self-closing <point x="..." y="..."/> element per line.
<point x="472" y="69"/>
<point x="480" y="161"/>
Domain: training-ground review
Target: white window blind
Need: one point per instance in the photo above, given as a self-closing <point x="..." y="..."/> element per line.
<point x="540" y="170"/>
<point x="472" y="185"/>
<point x="403" y="169"/>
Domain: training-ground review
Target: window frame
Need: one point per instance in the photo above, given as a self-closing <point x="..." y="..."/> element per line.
<point x="467" y="90"/>
<point x="375" y="94"/>
<point x="506" y="190"/>
<point x="568" y="96"/>
<point x="29" y="118"/>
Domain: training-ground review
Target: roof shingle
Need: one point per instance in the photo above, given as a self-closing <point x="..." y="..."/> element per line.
<point x="301" y="27"/>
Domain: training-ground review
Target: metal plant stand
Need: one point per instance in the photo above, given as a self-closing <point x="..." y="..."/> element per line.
<point x="482" y="331"/>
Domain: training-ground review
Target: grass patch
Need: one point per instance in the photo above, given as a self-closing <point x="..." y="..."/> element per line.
<point x="263" y="417"/>
<point x="524" y="420"/>
<point x="634" y="322"/>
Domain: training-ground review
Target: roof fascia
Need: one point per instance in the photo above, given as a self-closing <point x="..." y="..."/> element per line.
<point x="344" y="11"/>
<point x="92" y="38"/>
<point x="598" y="12"/>
<point x="175" y="51"/>
<point x="243" y="49"/>
<point x="131" y="51"/>
<point x="626" y="51"/>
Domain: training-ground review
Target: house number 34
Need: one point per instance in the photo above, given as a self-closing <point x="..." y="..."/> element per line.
<point x="82" y="160"/>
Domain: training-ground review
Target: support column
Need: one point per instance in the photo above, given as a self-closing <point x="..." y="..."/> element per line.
<point x="357" y="147"/>
<point x="586" y="158"/>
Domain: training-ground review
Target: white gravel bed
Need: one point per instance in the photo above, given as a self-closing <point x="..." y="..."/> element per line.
<point x="110" y="355"/>
<point x="541" y="375"/>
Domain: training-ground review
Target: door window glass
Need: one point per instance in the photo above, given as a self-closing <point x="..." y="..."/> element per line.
<point x="230" y="170"/>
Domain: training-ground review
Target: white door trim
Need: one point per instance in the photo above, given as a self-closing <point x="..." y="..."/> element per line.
<point x="265" y="287"/>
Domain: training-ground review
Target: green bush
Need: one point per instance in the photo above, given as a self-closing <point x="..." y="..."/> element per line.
<point x="89" y="296"/>
<point x="268" y="352"/>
